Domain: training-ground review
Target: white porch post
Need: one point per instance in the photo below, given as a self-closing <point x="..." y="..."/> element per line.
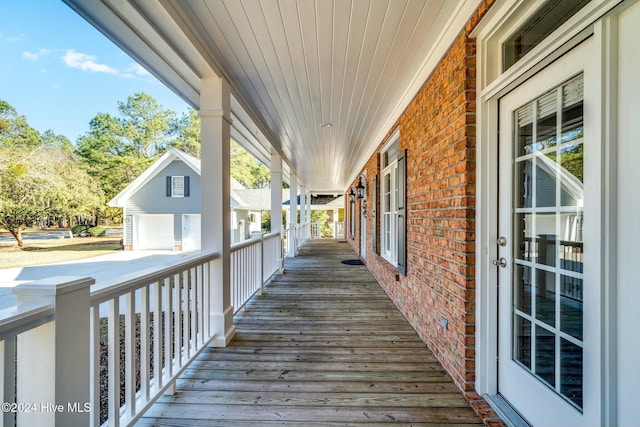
<point x="276" y="198"/>
<point x="215" y="122"/>
<point x="293" y="216"/>
<point x="53" y="360"/>
<point x="308" y="211"/>
<point x="335" y="224"/>
<point x="303" y="211"/>
<point x="286" y="217"/>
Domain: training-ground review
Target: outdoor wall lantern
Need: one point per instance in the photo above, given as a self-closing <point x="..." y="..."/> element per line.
<point x="362" y="186"/>
<point x="352" y="194"/>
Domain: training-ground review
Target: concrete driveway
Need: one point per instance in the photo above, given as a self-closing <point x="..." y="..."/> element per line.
<point x="106" y="270"/>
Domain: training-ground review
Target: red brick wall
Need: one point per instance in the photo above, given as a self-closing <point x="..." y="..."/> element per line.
<point x="438" y="131"/>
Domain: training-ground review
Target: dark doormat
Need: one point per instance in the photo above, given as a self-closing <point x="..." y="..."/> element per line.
<point x="352" y="262"/>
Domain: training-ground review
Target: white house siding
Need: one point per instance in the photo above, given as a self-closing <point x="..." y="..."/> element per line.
<point x="628" y="218"/>
<point x="151" y="199"/>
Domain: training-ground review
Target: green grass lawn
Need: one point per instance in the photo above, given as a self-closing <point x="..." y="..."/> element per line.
<point x="37" y="252"/>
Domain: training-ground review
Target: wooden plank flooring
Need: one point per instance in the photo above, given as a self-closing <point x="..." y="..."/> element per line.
<point x="324" y="346"/>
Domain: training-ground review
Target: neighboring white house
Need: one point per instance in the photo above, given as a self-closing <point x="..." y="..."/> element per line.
<point x="162" y="206"/>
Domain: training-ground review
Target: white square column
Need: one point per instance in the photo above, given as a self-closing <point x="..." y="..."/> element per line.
<point x="276" y="193"/>
<point x="276" y="198"/>
<point x="293" y="216"/>
<point x="308" y="210"/>
<point x="215" y="122"/>
<point x="303" y="208"/>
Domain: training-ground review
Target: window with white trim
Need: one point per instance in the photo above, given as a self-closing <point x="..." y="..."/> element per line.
<point x="389" y="201"/>
<point x="178" y="186"/>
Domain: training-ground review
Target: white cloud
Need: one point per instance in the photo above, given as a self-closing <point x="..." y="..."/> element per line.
<point x="11" y="39"/>
<point x="139" y="70"/>
<point x="30" y="56"/>
<point x="35" y="56"/>
<point x="85" y="62"/>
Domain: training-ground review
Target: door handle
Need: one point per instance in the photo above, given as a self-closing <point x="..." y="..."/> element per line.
<point x="502" y="262"/>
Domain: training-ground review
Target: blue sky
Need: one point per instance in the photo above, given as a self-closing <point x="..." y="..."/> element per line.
<point x="59" y="72"/>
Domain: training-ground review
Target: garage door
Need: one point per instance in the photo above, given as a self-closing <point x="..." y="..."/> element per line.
<point x="154" y="232"/>
<point x="191" y="232"/>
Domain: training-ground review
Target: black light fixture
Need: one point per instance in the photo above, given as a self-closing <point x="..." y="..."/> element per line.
<point x="352" y="195"/>
<point x="362" y="186"/>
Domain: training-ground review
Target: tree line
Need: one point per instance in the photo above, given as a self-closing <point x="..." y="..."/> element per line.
<point x="47" y="180"/>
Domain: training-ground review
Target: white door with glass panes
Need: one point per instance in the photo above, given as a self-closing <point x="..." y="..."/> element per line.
<point x="544" y="294"/>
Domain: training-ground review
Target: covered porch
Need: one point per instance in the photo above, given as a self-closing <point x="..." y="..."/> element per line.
<point x="322" y="345"/>
<point x="411" y="99"/>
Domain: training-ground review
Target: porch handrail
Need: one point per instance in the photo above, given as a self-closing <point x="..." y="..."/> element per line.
<point x="14" y="322"/>
<point x="272" y="255"/>
<point x="104" y="294"/>
<point x="253" y="262"/>
<point x="163" y="317"/>
<point x="298" y="234"/>
<point x="179" y="297"/>
<point x="339" y="231"/>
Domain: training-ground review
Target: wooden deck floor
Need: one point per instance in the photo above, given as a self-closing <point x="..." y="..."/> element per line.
<point x="323" y="346"/>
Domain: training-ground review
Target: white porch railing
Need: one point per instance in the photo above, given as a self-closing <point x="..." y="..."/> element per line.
<point x="153" y="328"/>
<point x="315" y="230"/>
<point x="298" y="234"/>
<point x="302" y="231"/>
<point x="253" y="262"/>
<point x="103" y="357"/>
<point x="339" y="231"/>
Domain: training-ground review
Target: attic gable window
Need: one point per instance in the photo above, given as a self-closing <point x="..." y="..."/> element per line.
<point x="178" y="186"/>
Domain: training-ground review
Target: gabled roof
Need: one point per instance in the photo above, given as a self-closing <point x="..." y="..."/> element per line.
<point x="165" y="160"/>
<point x="157" y="167"/>
<point x="241" y="197"/>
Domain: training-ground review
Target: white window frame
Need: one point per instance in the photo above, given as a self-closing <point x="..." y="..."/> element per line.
<point x="177" y="186"/>
<point x="389" y="214"/>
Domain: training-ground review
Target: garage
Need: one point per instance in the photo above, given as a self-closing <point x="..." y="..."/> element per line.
<point x="191" y="232"/>
<point x="153" y="232"/>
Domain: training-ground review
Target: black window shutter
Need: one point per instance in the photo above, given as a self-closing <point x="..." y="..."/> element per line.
<point x="186" y="187"/>
<point x="374" y="214"/>
<point x="402" y="213"/>
<point x="168" y="186"/>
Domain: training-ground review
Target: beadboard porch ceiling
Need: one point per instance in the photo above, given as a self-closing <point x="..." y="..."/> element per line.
<point x="294" y="66"/>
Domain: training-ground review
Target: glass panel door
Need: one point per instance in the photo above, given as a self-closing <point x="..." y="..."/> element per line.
<point x="542" y="351"/>
<point x="547" y="224"/>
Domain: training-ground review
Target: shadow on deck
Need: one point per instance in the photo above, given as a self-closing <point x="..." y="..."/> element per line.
<point x="323" y="346"/>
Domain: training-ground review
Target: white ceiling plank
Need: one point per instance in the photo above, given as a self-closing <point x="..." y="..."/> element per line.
<point x="269" y="67"/>
<point x="280" y="46"/>
<point x="373" y="33"/>
<point x="407" y="28"/>
<point x="293" y="65"/>
<point x="357" y="26"/>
